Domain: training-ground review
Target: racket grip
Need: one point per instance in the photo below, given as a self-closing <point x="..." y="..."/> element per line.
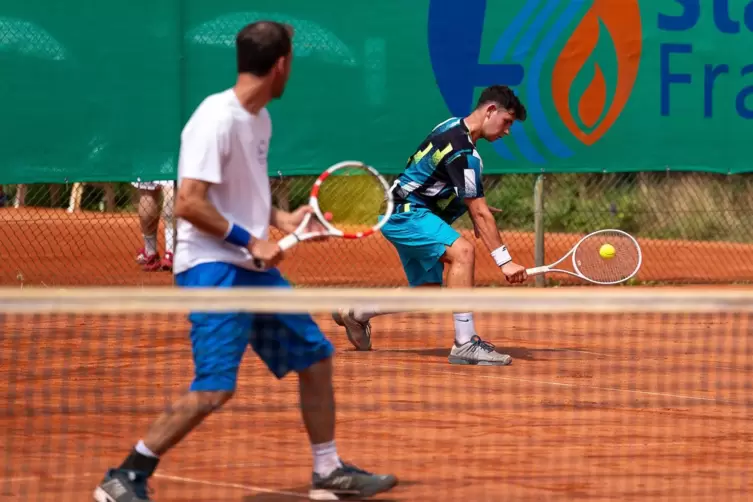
<point x="287" y="242"/>
<point x="537" y="270"/>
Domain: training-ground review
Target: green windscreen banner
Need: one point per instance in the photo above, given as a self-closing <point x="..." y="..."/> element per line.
<point x="99" y="91"/>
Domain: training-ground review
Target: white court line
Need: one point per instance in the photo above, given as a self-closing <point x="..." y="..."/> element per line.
<point x="603" y="354"/>
<point x="573" y="350"/>
<point x="21" y="479"/>
<point x="221" y="484"/>
<point x="545" y="382"/>
<point x="169" y="477"/>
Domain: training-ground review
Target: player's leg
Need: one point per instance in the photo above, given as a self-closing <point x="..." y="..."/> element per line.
<point x="168" y="219"/>
<point x="294" y="343"/>
<point x="149" y="212"/>
<point x="468" y="347"/>
<point x="218" y="341"/>
<point x="419" y="254"/>
<point x="357" y="321"/>
<point x="426" y="244"/>
<point x="434" y="245"/>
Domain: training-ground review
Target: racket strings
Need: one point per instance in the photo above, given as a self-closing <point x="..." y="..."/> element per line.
<point x="351" y="199"/>
<point x="624" y="263"/>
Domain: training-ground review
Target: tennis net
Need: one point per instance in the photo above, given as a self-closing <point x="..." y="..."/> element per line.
<point x="613" y="394"/>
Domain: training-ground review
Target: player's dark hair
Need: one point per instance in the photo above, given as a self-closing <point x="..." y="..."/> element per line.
<point x="504" y="97"/>
<point x="260" y="45"/>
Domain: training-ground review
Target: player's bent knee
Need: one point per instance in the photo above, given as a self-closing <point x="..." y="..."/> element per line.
<point x="461" y="252"/>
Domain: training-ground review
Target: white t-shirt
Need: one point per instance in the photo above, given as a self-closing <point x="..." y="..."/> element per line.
<point x="227" y="146"/>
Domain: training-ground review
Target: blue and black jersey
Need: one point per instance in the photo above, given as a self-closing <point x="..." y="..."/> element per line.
<point x="445" y="169"/>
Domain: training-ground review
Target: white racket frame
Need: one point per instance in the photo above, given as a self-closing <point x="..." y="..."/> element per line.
<point x="545" y="269"/>
<point x="299" y="234"/>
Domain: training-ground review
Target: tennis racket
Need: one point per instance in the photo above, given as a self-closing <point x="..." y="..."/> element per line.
<point x="350" y="199"/>
<point x="590" y="265"/>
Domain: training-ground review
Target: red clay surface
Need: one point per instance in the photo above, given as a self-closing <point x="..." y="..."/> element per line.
<point x="624" y="407"/>
<point x="52" y="247"/>
<point x="593" y="408"/>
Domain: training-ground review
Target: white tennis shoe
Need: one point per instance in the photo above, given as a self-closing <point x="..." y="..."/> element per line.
<point x="477" y="352"/>
<point x="359" y="333"/>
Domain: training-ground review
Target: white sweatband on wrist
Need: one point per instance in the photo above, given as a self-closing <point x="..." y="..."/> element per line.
<point x="501" y="256"/>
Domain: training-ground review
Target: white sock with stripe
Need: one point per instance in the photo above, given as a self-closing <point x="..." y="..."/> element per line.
<point x="326" y="459"/>
<point x="464" y="327"/>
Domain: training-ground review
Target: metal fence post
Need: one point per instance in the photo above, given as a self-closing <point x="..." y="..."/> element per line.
<point x="538" y="222"/>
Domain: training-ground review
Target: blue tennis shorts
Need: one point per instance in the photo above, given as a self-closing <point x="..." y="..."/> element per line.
<point x="285" y="342"/>
<point x="421" y="239"/>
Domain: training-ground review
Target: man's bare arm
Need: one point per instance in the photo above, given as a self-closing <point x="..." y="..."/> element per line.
<point x="193" y="206"/>
<point x="484" y="222"/>
<point x="486" y="228"/>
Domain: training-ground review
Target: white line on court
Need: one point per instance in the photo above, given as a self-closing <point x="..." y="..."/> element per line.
<point x="544" y="382"/>
<point x="21" y="479"/>
<point x="220" y="484"/>
<point x="560" y="449"/>
<point x="169" y="477"/>
<point x="574" y="350"/>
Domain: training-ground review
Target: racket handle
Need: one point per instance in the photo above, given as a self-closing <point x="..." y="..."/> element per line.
<point x="287" y="242"/>
<point x="537" y="270"/>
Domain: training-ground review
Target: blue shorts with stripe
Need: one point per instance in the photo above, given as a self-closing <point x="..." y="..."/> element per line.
<point x="285" y="342"/>
<point x="421" y="239"/>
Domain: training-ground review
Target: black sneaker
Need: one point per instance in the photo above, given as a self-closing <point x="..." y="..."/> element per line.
<point x="348" y="482"/>
<point x="120" y="485"/>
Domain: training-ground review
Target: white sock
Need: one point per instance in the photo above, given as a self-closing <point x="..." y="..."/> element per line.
<point x="169" y="237"/>
<point x="325" y="458"/>
<point x="142" y="448"/>
<point x="363" y="315"/>
<point x="464" y="327"/>
<point x="150" y="244"/>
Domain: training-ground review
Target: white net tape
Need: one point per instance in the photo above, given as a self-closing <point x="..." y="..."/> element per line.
<point x="520" y="300"/>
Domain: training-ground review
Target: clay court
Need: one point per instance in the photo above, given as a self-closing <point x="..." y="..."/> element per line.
<point x="624" y="407"/>
<point x="46" y="247"/>
<point x="594" y="407"/>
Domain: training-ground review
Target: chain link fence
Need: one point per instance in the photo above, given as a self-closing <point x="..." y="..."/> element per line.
<point x="693" y="229"/>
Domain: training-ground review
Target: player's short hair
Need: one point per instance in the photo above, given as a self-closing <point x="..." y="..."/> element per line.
<point x="504" y="97"/>
<point x="258" y="46"/>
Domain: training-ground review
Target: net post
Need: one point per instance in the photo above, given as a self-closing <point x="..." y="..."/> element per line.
<point x="538" y="223"/>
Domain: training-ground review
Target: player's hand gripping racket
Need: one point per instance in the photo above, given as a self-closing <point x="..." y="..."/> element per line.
<point x="347" y="201"/>
<point x="601" y="257"/>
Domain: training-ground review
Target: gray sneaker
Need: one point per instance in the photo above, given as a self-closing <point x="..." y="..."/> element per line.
<point x="349" y="482"/>
<point x="359" y="333"/>
<point x="477" y="352"/>
<point x="123" y="486"/>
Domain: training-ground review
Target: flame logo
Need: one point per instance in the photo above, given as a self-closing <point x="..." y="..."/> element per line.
<point x="622" y="21"/>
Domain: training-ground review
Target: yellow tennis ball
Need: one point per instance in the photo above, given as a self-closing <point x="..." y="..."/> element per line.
<point x="607" y="251"/>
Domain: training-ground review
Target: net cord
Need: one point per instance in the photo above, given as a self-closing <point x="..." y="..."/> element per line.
<point x="327" y="300"/>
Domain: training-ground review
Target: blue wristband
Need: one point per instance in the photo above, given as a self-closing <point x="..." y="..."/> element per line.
<point x="238" y="236"/>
